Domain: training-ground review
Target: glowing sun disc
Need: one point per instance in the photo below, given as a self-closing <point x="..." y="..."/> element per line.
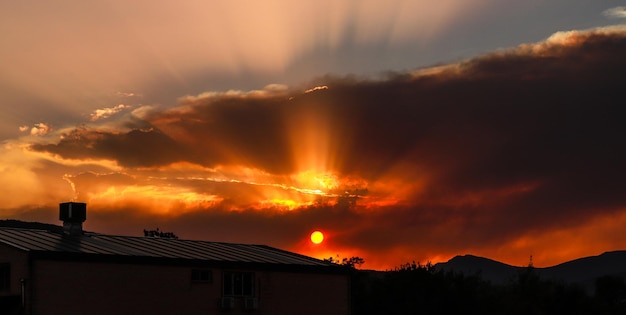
<point x="317" y="237"/>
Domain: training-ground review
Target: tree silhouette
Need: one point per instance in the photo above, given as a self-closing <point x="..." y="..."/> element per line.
<point x="610" y="295"/>
<point x="414" y="288"/>
<point x="351" y="262"/>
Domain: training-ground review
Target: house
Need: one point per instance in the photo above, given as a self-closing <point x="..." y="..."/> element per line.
<point x="78" y="272"/>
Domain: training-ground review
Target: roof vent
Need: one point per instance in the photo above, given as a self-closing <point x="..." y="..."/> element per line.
<point x="73" y="214"/>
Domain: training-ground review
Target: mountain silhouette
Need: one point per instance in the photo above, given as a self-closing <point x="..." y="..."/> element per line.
<point x="488" y="269"/>
<point x="583" y="271"/>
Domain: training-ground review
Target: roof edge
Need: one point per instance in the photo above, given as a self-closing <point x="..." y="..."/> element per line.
<point x="182" y="262"/>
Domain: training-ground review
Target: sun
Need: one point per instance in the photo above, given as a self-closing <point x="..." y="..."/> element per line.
<point x="317" y="237"/>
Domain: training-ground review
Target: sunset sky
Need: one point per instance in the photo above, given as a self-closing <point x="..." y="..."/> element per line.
<point x="404" y="130"/>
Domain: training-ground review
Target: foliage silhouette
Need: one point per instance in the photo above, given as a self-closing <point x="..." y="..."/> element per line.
<point x="413" y="288"/>
<point x="351" y="262"/>
<point x="610" y="295"/>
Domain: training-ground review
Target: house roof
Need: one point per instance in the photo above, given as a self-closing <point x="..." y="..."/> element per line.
<point x="94" y="246"/>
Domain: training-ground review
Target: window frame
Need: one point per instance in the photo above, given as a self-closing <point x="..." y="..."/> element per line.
<point x="238" y="284"/>
<point x="5" y="277"/>
<point x="201" y="276"/>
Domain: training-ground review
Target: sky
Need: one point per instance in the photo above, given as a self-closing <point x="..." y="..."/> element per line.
<point x="409" y="131"/>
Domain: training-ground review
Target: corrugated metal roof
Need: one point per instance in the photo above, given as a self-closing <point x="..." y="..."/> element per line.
<point x="150" y="247"/>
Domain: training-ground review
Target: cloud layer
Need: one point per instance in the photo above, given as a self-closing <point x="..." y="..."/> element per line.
<point x="507" y="154"/>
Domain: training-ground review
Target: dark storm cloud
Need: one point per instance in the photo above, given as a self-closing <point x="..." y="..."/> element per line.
<point x="517" y="140"/>
<point x="233" y="129"/>
<point x="135" y="148"/>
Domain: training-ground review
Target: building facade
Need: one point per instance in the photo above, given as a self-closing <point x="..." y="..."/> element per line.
<point x="74" y="272"/>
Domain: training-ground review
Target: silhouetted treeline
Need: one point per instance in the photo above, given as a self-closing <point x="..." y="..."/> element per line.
<point x="352" y="262"/>
<point x="420" y="289"/>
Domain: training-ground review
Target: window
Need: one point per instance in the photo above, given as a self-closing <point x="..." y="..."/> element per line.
<point x="5" y="277"/>
<point x="201" y="275"/>
<point x="238" y="283"/>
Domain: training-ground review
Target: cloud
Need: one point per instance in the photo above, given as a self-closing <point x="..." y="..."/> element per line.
<point x="136" y="148"/>
<point x="108" y="112"/>
<point x="127" y="94"/>
<point x="39" y="129"/>
<point x="317" y="88"/>
<point x="18" y="174"/>
<point x="494" y="155"/>
<point x="615" y="13"/>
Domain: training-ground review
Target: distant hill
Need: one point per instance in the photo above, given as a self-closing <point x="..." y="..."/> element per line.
<point x="31" y="225"/>
<point x="582" y="271"/>
<point x="585" y="270"/>
<point x="488" y="269"/>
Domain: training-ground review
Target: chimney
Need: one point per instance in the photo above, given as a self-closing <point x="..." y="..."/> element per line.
<point x="73" y="214"/>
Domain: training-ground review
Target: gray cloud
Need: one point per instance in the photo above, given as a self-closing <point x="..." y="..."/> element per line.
<point x="616" y="12"/>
